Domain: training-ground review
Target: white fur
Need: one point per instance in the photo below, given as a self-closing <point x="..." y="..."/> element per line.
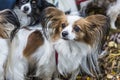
<point x="28" y="5"/>
<point x="73" y="55"/>
<point x="70" y="55"/>
<point x="69" y="28"/>
<point x="113" y="12"/>
<point x="4" y="50"/>
<point x="17" y="65"/>
<point x="23" y="18"/>
<point x="66" y="5"/>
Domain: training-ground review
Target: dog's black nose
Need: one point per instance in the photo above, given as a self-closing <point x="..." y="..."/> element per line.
<point x="26" y="8"/>
<point x="64" y="33"/>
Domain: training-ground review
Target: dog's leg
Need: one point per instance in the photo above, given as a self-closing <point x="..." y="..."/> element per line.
<point x="16" y="70"/>
<point x="4" y="50"/>
<point x="17" y="66"/>
<point x="44" y="72"/>
<point x="3" y="57"/>
<point x="1" y="73"/>
<point x="56" y="75"/>
<point x="74" y="74"/>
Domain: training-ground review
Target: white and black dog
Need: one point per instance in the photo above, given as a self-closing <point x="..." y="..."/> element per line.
<point x="28" y="11"/>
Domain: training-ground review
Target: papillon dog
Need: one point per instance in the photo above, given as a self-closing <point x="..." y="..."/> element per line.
<point x="84" y="37"/>
<point x="8" y="25"/>
<point x="76" y="40"/>
<point x="32" y="56"/>
<point x="28" y="11"/>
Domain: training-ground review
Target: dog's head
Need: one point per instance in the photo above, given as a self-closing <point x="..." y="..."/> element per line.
<point x="53" y="21"/>
<point x="9" y="23"/>
<point x="32" y="8"/>
<point x="85" y="29"/>
<point x="27" y="6"/>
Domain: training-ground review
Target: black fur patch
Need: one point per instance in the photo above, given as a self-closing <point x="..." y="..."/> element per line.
<point x="42" y="4"/>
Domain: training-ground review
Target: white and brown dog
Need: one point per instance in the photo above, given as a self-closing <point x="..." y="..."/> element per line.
<point x="77" y="41"/>
<point x="8" y="25"/>
<point x="30" y="50"/>
<point x="84" y="37"/>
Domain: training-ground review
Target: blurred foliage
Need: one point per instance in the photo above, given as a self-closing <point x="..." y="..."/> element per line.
<point x="111" y="62"/>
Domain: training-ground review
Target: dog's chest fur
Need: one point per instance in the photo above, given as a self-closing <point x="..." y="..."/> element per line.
<point x="70" y="55"/>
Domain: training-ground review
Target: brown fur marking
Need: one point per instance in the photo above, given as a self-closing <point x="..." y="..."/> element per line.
<point x="34" y="41"/>
<point x="89" y="27"/>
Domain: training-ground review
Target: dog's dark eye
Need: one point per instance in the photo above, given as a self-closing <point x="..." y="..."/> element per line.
<point x="76" y="28"/>
<point x="63" y="25"/>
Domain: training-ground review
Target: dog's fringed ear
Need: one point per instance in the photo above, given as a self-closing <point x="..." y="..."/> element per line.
<point x="42" y="4"/>
<point x="12" y="18"/>
<point x="98" y="20"/>
<point x="51" y="13"/>
<point x="101" y="24"/>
